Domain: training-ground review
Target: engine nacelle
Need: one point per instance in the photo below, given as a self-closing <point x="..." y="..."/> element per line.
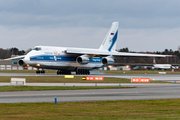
<point x="82" y="59"/>
<point x="22" y="63"/>
<point x="107" y="60"/>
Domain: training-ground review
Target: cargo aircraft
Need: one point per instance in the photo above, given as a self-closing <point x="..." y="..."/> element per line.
<point x="80" y="60"/>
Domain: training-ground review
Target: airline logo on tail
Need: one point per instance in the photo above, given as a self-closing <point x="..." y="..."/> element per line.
<point x="154" y="61"/>
<point x="113" y="41"/>
<point x="110" y="41"/>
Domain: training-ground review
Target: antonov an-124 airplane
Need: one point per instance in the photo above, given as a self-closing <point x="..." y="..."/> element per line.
<point x="80" y="60"/>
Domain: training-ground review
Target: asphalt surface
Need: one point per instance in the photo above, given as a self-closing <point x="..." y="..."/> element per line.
<point x="156" y="77"/>
<point x="96" y="84"/>
<point x="141" y="92"/>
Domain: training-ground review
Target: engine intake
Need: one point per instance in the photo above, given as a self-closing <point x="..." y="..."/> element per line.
<point x="82" y="59"/>
<point x="22" y="63"/>
<point x="107" y="60"/>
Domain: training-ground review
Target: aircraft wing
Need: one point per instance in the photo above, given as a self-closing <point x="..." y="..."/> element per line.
<point x="99" y="52"/>
<point x="140" y="55"/>
<point x="16" y="58"/>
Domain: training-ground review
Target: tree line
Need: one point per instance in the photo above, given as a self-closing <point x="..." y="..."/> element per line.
<point x="160" y="60"/>
<point x="7" y="53"/>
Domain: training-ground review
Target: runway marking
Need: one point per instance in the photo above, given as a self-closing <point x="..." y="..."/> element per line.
<point x="89" y="93"/>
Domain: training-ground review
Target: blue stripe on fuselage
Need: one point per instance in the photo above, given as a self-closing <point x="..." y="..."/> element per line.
<point x="52" y="58"/>
<point x="58" y="58"/>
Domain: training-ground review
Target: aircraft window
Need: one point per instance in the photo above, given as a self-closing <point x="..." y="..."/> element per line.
<point x="37" y="48"/>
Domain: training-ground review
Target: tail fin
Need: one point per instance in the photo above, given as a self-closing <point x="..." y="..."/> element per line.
<point x="154" y="61"/>
<point x="110" y="40"/>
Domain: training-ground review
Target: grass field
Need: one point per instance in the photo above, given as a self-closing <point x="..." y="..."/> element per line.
<point x="61" y="79"/>
<point x="58" y="79"/>
<point x="97" y="110"/>
<point x="138" y="72"/>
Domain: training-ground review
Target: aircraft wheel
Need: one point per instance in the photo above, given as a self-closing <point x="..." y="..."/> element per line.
<point x="58" y="72"/>
<point x="42" y="72"/>
<point x="86" y="72"/>
<point x="37" y="72"/>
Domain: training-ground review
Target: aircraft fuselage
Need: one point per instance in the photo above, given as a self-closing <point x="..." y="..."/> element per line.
<point x="56" y="58"/>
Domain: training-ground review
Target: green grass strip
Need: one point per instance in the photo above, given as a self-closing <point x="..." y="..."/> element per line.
<point x="166" y="109"/>
<point x="61" y="79"/>
<point x="138" y="72"/>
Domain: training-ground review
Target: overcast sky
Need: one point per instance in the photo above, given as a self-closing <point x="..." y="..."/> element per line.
<point x="144" y="25"/>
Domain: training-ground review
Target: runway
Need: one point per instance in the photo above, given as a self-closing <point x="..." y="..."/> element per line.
<point x="139" y="93"/>
<point x="97" y="84"/>
<point x="156" y="77"/>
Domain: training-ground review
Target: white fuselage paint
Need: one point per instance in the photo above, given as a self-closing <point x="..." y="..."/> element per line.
<point x="162" y="66"/>
<point x="57" y="58"/>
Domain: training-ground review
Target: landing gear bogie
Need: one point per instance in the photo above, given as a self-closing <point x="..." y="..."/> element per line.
<point x="83" y="72"/>
<point x="60" y="72"/>
<point x="40" y="72"/>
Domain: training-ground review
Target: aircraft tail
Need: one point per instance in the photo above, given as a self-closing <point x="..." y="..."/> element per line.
<point x="154" y="61"/>
<point x="110" y="40"/>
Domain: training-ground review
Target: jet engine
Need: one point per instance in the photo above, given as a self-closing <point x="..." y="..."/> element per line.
<point x="22" y="63"/>
<point x="82" y="59"/>
<point x="107" y="60"/>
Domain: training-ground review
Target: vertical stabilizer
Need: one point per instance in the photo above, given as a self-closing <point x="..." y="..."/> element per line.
<point x="110" y="40"/>
<point x="154" y="61"/>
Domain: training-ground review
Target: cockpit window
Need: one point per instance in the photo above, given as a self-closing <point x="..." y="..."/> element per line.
<point x="37" y="48"/>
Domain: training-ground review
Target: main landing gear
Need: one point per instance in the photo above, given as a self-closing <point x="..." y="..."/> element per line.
<point x="40" y="72"/>
<point x="82" y="72"/>
<point x="59" y="72"/>
<point x="78" y="72"/>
